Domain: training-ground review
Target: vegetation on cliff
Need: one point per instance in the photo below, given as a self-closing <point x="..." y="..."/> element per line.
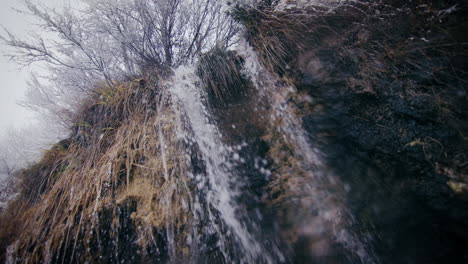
<point x="388" y="86"/>
<point x="328" y="133"/>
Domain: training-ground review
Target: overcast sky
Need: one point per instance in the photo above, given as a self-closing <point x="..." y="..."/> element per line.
<point x="13" y="80"/>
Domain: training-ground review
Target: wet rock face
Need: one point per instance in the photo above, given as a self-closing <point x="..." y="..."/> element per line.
<point x="324" y="67"/>
<point x="349" y="145"/>
<point x="106" y="244"/>
<point x="390" y="140"/>
<point x="389" y="112"/>
<point x="390" y="125"/>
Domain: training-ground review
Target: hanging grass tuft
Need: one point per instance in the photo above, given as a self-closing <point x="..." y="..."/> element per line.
<point x="107" y="194"/>
<point x="220" y="72"/>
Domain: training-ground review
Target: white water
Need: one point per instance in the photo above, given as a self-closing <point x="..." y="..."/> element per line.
<point x="284" y="5"/>
<point x="218" y="183"/>
<point x="322" y="190"/>
<point x="162" y="145"/>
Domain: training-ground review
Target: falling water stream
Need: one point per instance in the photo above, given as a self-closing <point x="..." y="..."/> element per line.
<point x="218" y="184"/>
<point x="198" y="177"/>
<point x="323" y="192"/>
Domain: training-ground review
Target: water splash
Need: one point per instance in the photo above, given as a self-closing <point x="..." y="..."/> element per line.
<point x="325" y="217"/>
<point x="217" y="184"/>
<point x="163" y="152"/>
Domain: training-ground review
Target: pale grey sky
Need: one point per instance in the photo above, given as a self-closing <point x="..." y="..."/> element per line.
<point x="13" y="79"/>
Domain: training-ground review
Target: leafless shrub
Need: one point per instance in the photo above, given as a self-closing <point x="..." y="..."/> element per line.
<point x="108" y="40"/>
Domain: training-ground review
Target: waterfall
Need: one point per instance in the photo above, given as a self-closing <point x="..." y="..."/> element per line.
<point x="325" y="217"/>
<point x="321" y="192"/>
<point x="243" y="131"/>
<point x="219" y="181"/>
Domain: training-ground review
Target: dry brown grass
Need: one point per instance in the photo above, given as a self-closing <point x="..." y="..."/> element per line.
<point x="112" y="163"/>
<point x="220" y="71"/>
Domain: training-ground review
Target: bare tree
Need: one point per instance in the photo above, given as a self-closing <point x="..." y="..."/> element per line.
<point x="18" y="149"/>
<point x="162" y="33"/>
<point x="120" y="36"/>
<point x="7" y="181"/>
<point x="107" y="40"/>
